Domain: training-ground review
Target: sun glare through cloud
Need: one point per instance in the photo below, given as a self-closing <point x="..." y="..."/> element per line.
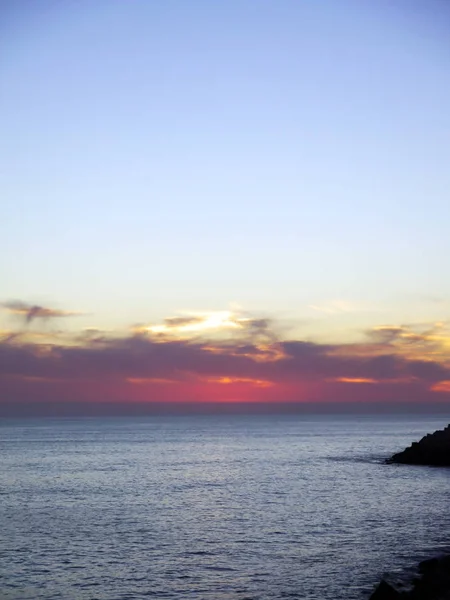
<point x="199" y="322"/>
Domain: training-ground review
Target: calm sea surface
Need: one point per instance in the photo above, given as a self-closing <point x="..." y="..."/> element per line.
<point x="213" y="508"/>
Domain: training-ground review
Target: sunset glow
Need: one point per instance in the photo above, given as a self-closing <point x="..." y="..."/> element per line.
<point x="192" y="358"/>
<point x="224" y="203"/>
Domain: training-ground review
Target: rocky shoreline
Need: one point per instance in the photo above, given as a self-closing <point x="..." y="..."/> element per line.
<point x="431" y="582"/>
<point x="432" y="450"/>
<point x="432" y="579"/>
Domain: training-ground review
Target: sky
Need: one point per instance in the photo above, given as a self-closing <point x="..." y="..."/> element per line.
<point x="224" y="202"/>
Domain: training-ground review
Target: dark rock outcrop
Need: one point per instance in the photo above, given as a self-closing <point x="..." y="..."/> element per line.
<point x="386" y="591"/>
<point x="431" y="583"/>
<point x="433" y="449"/>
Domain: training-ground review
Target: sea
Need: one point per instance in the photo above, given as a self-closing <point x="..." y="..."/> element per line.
<point x="224" y="507"/>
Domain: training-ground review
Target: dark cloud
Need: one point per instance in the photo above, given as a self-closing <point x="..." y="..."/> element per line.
<point x="174" y="322"/>
<point x="386" y="335"/>
<point x="30" y="312"/>
<point x="427" y="370"/>
<point x="140" y="356"/>
<point x="10" y="336"/>
<point x="259" y="329"/>
<point x="408" y="335"/>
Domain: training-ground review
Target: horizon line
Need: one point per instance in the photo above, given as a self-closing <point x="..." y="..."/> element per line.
<point x="140" y="409"/>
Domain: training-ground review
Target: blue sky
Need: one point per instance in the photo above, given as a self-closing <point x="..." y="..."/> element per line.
<point x="288" y="156"/>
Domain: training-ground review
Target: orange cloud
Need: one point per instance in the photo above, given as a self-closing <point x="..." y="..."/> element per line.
<point x="441" y="386"/>
<point x="356" y="380"/>
<point x="244" y="380"/>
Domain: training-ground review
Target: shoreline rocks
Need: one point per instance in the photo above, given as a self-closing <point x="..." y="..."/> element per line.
<point x="432" y="582"/>
<point x="432" y="450"/>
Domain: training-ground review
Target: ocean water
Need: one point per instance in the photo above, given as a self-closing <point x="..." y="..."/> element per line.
<point x="214" y="508"/>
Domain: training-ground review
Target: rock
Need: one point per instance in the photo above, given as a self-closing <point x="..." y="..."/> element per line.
<point x="428" y="565"/>
<point x="433" y="583"/>
<point x="385" y="591"/>
<point x="432" y="449"/>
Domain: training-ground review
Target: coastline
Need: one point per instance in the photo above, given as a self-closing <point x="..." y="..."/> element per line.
<point x="431" y="580"/>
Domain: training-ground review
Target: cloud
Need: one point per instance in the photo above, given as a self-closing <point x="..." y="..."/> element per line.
<point x="213" y="323"/>
<point x="355" y="380"/>
<point x="9" y="336"/>
<point x="251" y="364"/>
<point x="30" y="312"/>
<point x="196" y="323"/>
<point x="386" y="334"/>
<point x="180" y="322"/>
<point x="424" y="341"/>
<point x="441" y="386"/>
<point x="141" y="357"/>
